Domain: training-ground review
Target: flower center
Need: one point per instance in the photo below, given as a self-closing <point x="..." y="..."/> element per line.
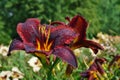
<point x="43" y="43"/>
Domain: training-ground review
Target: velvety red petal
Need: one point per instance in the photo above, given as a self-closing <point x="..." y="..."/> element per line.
<point x="100" y="60"/>
<point x="27" y="30"/>
<point x="79" y="24"/>
<point x="65" y="54"/>
<point x="16" y="44"/>
<point x="30" y="48"/>
<point x="62" y="35"/>
<point x="93" y="45"/>
<point x="100" y="68"/>
<point x="88" y="44"/>
<point x="95" y="50"/>
<point x="49" y="26"/>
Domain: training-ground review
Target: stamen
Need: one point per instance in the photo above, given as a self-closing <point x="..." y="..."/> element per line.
<point x="49" y="46"/>
<point x="47" y="37"/>
<point x="38" y="44"/>
<point x="44" y="44"/>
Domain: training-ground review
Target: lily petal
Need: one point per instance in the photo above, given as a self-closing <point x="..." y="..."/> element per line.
<point x="16" y="44"/>
<point x="62" y="35"/>
<point x="88" y="44"/>
<point x="65" y="54"/>
<point x="26" y="30"/>
<point x="79" y="24"/>
<point x="93" y="45"/>
<point x="30" y="48"/>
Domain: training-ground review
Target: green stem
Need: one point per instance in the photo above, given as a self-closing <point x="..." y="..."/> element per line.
<point x="49" y="74"/>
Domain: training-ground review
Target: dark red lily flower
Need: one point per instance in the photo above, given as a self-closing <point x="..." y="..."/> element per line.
<point x="95" y="69"/>
<point x="79" y="25"/>
<point x="45" y="40"/>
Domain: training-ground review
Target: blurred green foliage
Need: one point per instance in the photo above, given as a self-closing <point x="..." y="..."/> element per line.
<point x="102" y="15"/>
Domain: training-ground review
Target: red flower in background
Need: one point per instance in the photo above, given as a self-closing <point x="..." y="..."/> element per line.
<point x="94" y="70"/>
<point x="79" y="24"/>
<point x="115" y="61"/>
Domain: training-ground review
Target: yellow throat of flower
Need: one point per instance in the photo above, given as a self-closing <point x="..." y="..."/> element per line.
<point x="43" y="44"/>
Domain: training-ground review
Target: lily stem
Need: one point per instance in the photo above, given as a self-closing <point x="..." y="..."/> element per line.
<point x="49" y="74"/>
